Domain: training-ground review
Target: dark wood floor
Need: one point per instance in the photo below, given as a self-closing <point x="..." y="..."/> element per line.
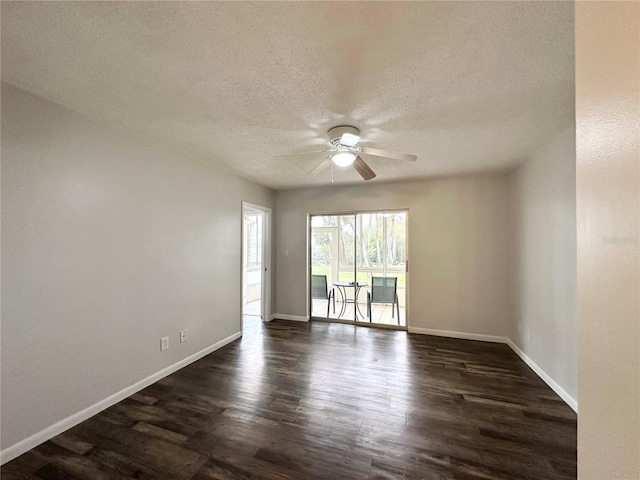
<point x="331" y="401"/>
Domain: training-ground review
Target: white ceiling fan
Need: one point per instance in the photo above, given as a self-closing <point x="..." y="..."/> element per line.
<point x="345" y="152"/>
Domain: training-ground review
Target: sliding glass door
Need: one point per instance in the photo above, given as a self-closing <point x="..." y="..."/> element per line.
<point x="358" y="267"/>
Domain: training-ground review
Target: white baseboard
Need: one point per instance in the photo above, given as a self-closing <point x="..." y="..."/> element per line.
<point x="464" y="336"/>
<point x="294" y="318"/>
<point x="572" y="402"/>
<point x="42" y="436"/>
<point x="491" y="338"/>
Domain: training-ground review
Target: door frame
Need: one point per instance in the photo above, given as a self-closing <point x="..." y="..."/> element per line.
<point x="265" y="277"/>
<point x="407" y="271"/>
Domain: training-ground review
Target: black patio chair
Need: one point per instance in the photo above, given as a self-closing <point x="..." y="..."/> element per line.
<point x="383" y="290"/>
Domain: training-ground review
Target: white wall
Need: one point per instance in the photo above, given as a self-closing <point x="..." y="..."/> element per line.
<point x="608" y="190"/>
<point x="544" y="212"/>
<point x="458" y="275"/>
<point x="109" y="242"/>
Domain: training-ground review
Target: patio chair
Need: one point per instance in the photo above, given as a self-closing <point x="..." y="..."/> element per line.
<point x="319" y="290"/>
<point x="383" y="290"/>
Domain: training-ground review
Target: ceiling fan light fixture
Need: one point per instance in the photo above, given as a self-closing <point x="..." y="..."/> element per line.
<point x="343" y="159"/>
<point x="349" y="139"/>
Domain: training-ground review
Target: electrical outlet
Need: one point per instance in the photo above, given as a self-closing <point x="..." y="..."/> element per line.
<point x="183" y="336"/>
<point x="164" y="343"/>
<point x="530" y="332"/>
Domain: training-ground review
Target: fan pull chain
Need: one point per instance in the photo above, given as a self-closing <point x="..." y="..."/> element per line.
<point x="331" y="172"/>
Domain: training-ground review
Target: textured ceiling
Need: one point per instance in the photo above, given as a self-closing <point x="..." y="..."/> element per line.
<point x="467" y="86"/>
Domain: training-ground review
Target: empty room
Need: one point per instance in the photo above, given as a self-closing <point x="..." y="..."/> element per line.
<point x="320" y="240"/>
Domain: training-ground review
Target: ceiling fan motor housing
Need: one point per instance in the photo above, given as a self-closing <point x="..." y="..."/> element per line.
<point x="335" y="134"/>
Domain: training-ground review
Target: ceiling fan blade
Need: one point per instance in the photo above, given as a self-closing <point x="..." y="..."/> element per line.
<point x="324" y="164"/>
<point x="388" y="154"/>
<point x="363" y="169"/>
<point x="301" y="154"/>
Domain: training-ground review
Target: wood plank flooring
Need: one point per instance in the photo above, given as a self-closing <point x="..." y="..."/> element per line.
<point x="326" y="401"/>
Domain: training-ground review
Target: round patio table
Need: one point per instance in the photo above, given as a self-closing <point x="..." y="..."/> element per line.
<point x="342" y="288"/>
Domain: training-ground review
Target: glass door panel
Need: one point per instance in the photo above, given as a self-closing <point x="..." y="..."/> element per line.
<point x="382" y="266"/>
<point x="324" y="266"/>
<point x="344" y="287"/>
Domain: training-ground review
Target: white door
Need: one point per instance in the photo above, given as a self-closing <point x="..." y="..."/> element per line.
<point x="256" y="261"/>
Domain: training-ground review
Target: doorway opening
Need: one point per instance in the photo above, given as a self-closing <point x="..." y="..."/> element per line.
<point x="358" y="268"/>
<point x="255" y="264"/>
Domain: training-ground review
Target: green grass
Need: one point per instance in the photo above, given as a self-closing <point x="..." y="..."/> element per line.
<point x="348" y="277"/>
<point x="323" y="270"/>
